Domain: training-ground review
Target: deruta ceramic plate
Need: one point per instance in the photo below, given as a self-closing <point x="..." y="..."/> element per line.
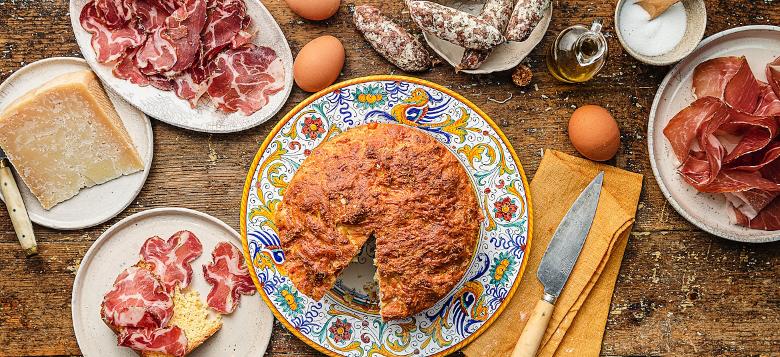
<point x="167" y="107"/>
<point x="504" y="57"/>
<point x="346" y="321"/>
<point x="96" y="204"/>
<point x="245" y="332"/>
<point x="760" y="44"/>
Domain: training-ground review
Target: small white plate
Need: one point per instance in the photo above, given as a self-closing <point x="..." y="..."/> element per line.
<point x="96" y="204"/>
<point x="245" y="332"/>
<point x="167" y="107"/>
<point x="504" y="57"/>
<point x="760" y="44"/>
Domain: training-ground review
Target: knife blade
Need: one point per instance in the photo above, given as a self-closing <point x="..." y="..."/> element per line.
<point x="16" y="209"/>
<point x="557" y="263"/>
<point x="568" y="239"/>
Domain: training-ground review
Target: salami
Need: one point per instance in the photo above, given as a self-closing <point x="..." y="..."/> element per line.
<point x="391" y="41"/>
<point x="496" y="13"/>
<point x="229" y="278"/>
<point x="525" y="17"/>
<point x="458" y="27"/>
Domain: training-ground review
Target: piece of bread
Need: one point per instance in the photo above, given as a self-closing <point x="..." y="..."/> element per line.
<point x="192" y="316"/>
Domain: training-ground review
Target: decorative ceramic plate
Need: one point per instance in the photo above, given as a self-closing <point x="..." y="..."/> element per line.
<point x="167" y="107"/>
<point x="96" y="204"/>
<point x="504" y="57"/>
<point x="760" y="44"/>
<point x="245" y="332"/>
<point x="346" y="321"/>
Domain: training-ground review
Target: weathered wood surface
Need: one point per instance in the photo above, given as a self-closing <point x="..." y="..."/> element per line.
<point x="680" y="291"/>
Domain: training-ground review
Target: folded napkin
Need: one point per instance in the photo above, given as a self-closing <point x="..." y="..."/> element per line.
<point x="580" y="316"/>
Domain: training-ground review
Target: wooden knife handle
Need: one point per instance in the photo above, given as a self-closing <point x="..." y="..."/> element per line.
<point x="16" y="209"/>
<point x="534" y="329"/>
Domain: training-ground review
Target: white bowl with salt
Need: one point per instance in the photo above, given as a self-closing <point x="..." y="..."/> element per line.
<point x="664" y="40"/>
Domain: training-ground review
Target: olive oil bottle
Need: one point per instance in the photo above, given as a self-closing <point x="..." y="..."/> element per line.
<point x="578" y="53"/>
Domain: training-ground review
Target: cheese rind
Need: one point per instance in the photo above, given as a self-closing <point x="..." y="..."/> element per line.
<point x="65" y="136"/>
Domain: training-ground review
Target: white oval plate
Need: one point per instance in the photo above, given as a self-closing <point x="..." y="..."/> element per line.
<point x="504" y="57"/>
<point x="96" y="204"/>
<point x="167" y="107"/>
<point x="760" y="44"/>
<point x="245" y="332"/>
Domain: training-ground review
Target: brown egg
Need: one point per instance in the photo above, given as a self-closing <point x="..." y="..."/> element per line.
<point x="319" y="63"/>
<point x="594" y="133"/>
<point x="314" y="9"/>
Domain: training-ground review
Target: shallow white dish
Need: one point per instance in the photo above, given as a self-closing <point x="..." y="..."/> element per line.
<point x="97" y="204"/>
<point x="245" y="332"/>
<point x="760" y="44"/>
<point x="504" y="57"/>
<point x="167" y="107"/>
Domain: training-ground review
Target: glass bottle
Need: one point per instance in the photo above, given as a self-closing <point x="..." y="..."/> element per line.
<point x="578" y="53"/>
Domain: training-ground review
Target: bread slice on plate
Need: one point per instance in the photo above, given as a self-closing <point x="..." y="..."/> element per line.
<point x="192" y="316"/>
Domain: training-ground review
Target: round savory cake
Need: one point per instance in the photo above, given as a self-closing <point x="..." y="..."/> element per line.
<point x="396" y="184"/>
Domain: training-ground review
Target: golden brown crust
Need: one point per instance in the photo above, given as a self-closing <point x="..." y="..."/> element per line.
<point x="395" y="183"/>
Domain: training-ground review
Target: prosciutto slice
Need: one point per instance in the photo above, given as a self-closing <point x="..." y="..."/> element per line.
<point x="226" y="25"/>
<point x="170" y="260"/>
<point x="169" y="340"/>
<point x="229" y="278"/>
<point x="137" y="300"/>
<point x="727" y="140"/>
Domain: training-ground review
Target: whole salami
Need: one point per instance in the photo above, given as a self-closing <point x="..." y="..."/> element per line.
<point x="458" y="27"/>
<point x="525" y="17"/>
<point x="496" y="13"/>
<point x="391" y="41"/>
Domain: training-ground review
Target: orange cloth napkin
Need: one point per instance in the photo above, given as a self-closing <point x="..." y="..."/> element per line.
<point x="580" y="316"/>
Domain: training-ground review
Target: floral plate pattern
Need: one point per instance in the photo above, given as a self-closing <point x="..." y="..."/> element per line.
<point x="346" y="321"/>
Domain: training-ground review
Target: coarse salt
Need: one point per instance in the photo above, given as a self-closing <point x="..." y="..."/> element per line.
<point x="656" y="37"/>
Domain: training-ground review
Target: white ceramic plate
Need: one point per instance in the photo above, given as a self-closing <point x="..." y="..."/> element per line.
<point x="165" y="106"/>
<point x="97" y="204"/>
<point x="245" y="332"/>
<point x="504" y="57"/>
<point x="760" y="44"/>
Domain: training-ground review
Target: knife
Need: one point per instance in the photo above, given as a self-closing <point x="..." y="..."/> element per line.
<point x="16" y="209"/>
<point x="557" y="263"/>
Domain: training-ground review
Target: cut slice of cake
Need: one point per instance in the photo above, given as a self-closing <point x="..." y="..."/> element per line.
<point x="66" y="135"/>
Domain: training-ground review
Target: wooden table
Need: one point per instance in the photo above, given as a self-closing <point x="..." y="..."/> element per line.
<point x="680" y="291"/>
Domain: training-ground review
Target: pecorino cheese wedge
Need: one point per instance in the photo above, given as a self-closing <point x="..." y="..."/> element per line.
<point x="65" y="136"/>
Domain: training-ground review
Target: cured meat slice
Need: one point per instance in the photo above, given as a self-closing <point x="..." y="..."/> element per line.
<point x="137" y="300"/>
<point x="109" y="44"/>
<point x="769" y="103"/>
<point x="710" y="77"/>
<point x="127" y="69"/>
<point x="229" y="278"/>
<point x="174" y="47"/>
<point x="168" y="5"/>
<point x="683" y="127"/>
<point x="244" y="78"/>
<point x="113" y="13"/>
<point x="226" y="25"/>
<point x="768" y="219"/>
<point x="743" y="91"/>
<point x="170" y="260"/>
<point x="773" y="75"/>
<point x="186" y="87"/>
<point x="751" y="202"/>
<point x="151" y="16"/>
<point x="169" y="340"/>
